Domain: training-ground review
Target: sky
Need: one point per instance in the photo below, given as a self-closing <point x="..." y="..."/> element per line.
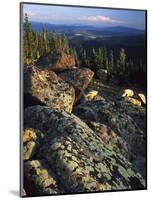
<point x="84" y="16"/>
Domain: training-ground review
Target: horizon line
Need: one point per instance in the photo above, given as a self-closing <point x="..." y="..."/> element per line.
<point x="102" y="26"/>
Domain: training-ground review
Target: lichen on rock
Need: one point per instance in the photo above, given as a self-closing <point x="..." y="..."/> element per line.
<point x="81" y="160"/>
<point x="32" y="140"/>
<point x="44" y="87"/>
<point x="40" y="179"/>
<point x="126" y="120"/>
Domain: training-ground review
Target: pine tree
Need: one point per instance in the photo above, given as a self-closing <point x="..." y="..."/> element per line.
<point x="83" y="57"/>
<point x="110" y="67"/>
<point x="53" y="41"/>
<point x="100" y="58"/>
<point x="46" y="41"/>
<point x="106" y="61"/>
<point x="122" y="60"/>
<point x="28" y="41"/>
<point x="37" y="54"/>
<point x="65" y="44"/>
<point x="41" y="44"/>
<point x="111" y="61"/>
<point x="121" y="65"/>
<point x="93" y="60"/>
<point x="73" y="52"/>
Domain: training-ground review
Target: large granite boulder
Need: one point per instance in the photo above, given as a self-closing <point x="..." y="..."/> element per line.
<point x="79" y="78"/>
<point x="56" y="61"/>
<point x="125" y="119"/>
<point x="79" y="157"/>
<point x="44" y="87"/>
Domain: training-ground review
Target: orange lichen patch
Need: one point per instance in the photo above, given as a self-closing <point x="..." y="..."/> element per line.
<point x="29" y="135"/>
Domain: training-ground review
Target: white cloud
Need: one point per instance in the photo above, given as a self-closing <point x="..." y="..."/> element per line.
<point x="100" y="19"/>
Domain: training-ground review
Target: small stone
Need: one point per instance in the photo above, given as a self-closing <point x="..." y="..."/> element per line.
<point x="69" y="148"/>
<point x="55" y="146"/>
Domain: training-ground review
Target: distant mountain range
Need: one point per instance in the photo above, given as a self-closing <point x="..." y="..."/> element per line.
<point x="73" y="29"/>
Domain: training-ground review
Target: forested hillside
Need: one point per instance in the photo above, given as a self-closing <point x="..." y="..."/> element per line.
<point x="118" y="65"/>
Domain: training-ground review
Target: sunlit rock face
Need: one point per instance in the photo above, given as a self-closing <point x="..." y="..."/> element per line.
<point x="56" y="61"/>
<point x="44" y="87"/>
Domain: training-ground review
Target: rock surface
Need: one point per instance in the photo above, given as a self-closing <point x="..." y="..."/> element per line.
<point x="133" y="101"/>
<point x="44" y="87"/>
<point x="125" y="119"/>
<point x="32" y="140"/>
<point x="39" y="179"/>
<point x="56" y="61"/>
<point x="109" y="137"/>
<point x="80" y="159"/>
<point x="142" y="98"/>
<point x="91" y="95"/>
<point x="79" y="78"/>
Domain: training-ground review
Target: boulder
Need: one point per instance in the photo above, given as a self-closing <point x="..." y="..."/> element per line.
<point x="31" y="142"/>
<point x="91" y="95"/>
<point x="56" y="61"/>
<point x="79" y="78"/>
<point x="39" y="179"/>
<point x="125" y="119"/>
<point x="133" y="101"/>
<point x="137" y="113"/>
<point x="142" y="98"/>
<point x="80" y="159"/>
<point x="44" y="87"/>
<point x="128" y="93"/>
<point x="109" y="137"/>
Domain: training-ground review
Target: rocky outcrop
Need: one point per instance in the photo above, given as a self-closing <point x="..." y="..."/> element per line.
<point x="109" y="137"/>
<point x="124" y="119"/>
<point x="56" y="61"/>
<point x="44" y="87"/>
<point x="32" y="140"/>
<point x="79" y="78"/>
<point x="40" y="179"/>
<point x="79" y="157"/>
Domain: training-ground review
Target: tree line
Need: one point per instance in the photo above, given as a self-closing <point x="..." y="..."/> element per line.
<point x="117" y="67"/>
<point x="37" y="44"/>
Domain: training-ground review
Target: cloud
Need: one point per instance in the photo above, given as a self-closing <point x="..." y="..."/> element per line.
<point x="100" y="19"/>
